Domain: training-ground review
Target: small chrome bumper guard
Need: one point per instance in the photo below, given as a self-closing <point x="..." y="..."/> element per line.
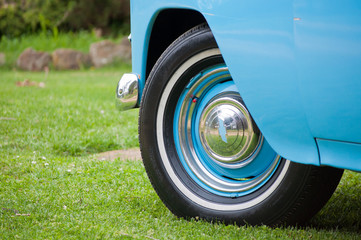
<point x="127" y="92"/>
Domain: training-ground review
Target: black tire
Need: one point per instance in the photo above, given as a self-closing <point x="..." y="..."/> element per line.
<point x="291" y="194"/>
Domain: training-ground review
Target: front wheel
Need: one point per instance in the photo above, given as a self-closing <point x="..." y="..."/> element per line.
<point x="205" y="155"/>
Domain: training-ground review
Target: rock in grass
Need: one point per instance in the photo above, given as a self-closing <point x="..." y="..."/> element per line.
<point x="2" y="59"/>
<point x="106" y="52"/>
<point x="32" y="60"/>
<point x="126" y="49"/>
<point x="70" y="59"/>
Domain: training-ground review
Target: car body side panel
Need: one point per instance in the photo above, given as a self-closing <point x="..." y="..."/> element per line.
<point x="340" y="154"/>
<point x="258" y="47"/>
<point x="328" y="45"/>
<point x="257" y="41"/>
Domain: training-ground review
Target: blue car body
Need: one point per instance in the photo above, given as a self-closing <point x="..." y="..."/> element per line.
<point x="296" y="64"/>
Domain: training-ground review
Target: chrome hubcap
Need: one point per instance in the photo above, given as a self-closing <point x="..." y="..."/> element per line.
<point x="227" y="130"/>
<point x="217" y="141"/>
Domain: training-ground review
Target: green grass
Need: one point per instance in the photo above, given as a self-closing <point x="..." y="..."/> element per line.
<point x="12" y="48"/>
<point x="53" y="119"/>
<point x="53" y="187"/>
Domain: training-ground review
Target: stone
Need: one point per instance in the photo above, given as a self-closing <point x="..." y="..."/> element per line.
<point x="31" y="60"/>
<point x="2" y="59"/>
<point x="126" y="49"/>
<point x="28" y="83"/>
<point x="106" y="52"/>
<point x="64" y="59"/>
<point x="127" y="154"/>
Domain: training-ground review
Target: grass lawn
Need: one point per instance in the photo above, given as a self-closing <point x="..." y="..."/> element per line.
<point x="53" y="187"/>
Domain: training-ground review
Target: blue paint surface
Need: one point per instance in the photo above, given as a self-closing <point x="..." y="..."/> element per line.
<point x="296" y="64"/>
<point x="222" y="130"/>
<point x="340" y="154"/>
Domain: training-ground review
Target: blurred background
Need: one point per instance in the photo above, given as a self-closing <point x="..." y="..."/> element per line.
<point x="19" y="17"/>
<point x="48" y="34"/>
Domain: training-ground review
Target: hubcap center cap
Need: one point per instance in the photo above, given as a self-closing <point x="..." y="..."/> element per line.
<point x="227" y="131"/>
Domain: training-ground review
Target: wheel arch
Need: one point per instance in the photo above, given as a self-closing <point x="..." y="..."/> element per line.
<point x="167" y="27"/>
<point x="165" y="24"/>
<point x="177" y="187"/>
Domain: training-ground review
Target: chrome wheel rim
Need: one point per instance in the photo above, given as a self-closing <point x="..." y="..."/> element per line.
<point x="217" y="141"/>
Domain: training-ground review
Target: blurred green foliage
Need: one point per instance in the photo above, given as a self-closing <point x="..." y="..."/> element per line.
<point x="18" y="17"/>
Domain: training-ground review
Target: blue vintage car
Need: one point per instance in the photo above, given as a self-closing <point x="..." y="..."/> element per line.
<point x="249" y="109"/>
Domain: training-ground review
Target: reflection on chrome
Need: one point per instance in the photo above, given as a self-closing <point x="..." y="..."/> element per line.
<point x="227" y="130"/>
<point x="127" y="92"/>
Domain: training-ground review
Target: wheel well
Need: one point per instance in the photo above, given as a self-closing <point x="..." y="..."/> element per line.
<point x="168" y="26"/>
